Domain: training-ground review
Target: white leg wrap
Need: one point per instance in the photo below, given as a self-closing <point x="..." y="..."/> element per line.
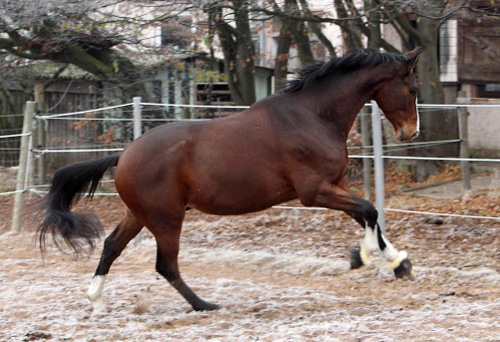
<point x="390" y="253"/>
<point x="368" y="246"/>
<point x="401" y="256"/>
<point x="365" y="256"/>
<point x="95" y="293"/>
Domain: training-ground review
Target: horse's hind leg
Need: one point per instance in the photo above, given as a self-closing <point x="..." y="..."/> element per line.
<point x="113" y="246"/>
<point x="167" y="238"/>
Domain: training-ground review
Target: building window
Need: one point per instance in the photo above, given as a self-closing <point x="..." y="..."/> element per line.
<point x="488" y="90"/>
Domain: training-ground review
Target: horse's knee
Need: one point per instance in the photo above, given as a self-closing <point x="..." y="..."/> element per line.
<point x="369" y="213"/>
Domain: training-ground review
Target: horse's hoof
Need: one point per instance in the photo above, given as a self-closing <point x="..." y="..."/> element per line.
<point x="356" y="261"/>
<point x="405" y="270"/>
<point x="206" y="307"/>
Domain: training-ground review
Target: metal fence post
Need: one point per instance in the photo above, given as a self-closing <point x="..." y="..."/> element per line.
<point x="464" y="148"/>
<point x="136" y="105"/>
<point x="463" y="129"/>
<point x="23" y="162"/>
<point x="378" y="164"/>
<point x="367" y="163"/>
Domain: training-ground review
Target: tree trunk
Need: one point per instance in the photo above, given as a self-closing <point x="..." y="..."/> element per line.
<point x="300" y="36"/>
<point x="316" y="29"/>
<point x="435" y="124"/>
<point x="239" y="52"/>
<point x="352" y="41"/>
<point x="375" y="34"/>
<point x="296" y="31"/>
<point x="282" y="54"/>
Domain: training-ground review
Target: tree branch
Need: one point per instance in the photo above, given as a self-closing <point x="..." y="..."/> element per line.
<point x="405" y="24"/>
<point x="316" y="29"/>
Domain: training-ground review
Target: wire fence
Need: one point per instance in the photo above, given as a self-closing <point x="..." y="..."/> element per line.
<point x="9" y="154"/>
<point x="83" y="135"/>
<point x="10" y="139"/>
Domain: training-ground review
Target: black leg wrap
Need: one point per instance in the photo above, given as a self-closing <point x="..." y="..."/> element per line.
<point x="356" y="261"/>
<point x="404" y="270"/>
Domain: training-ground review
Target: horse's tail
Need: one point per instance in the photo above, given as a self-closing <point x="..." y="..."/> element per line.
<point x="70" y="182"/>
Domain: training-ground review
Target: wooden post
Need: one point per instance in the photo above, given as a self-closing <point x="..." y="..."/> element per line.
<point x="41" y="134"/>
<point x="21" y="171"/>
<point x="463" y="128"/>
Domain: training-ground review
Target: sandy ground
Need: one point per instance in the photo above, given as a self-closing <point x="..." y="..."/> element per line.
<point x="279" y="275"/>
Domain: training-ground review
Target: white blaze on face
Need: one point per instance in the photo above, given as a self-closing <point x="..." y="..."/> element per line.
<point x="418" y="115"/>
<point x="95" y="293"/>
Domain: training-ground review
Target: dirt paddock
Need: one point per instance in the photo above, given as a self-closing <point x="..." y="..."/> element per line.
<point x="279" y="275"/>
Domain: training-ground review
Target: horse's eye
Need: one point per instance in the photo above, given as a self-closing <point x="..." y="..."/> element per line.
<point x="413" y="92"/>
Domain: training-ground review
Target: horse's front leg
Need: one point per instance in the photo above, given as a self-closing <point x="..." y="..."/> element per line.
<point x="375" y="240"/>
<point x="339" y="197"/>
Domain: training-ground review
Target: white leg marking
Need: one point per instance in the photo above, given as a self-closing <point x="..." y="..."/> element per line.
<point x="95" y="293"/>
<point x="368" y="246"/>
<point x="390" y="253"/>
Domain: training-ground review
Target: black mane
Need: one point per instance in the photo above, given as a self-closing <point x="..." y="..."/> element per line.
<point x="350" y="62"/>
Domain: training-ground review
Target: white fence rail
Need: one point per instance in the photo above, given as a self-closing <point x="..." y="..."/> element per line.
<point x="135" y="122"/>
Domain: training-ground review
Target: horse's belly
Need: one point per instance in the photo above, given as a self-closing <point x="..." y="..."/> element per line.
<point x="235" y="199"/>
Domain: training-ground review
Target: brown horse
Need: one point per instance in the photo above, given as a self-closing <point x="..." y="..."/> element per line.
<point x="287" y="146"/>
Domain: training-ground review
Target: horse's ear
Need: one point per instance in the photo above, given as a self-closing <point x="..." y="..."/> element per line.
<point x="412" y="58"/>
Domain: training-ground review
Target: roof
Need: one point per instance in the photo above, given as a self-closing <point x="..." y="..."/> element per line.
<point x="48" y="69"/>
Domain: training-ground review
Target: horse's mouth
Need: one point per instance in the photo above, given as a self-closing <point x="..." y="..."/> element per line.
<point x="414" y="135"/>
<point x="405" y="138"/>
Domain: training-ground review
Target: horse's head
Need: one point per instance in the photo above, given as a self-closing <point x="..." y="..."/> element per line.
<point x="397" y="98"/>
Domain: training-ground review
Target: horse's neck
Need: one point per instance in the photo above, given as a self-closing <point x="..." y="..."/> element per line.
<point x="350" y="95"/>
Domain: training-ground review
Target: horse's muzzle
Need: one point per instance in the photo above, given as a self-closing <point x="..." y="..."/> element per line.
<point x="415" y="135"/>
<point x="403" y="137"/>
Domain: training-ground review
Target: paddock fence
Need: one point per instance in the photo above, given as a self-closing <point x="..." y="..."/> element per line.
<point x="48" y="142"/>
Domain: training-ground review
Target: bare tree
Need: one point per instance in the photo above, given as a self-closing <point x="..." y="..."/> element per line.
<point x="232" y="24"/>
<point x="91" y="35"/>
